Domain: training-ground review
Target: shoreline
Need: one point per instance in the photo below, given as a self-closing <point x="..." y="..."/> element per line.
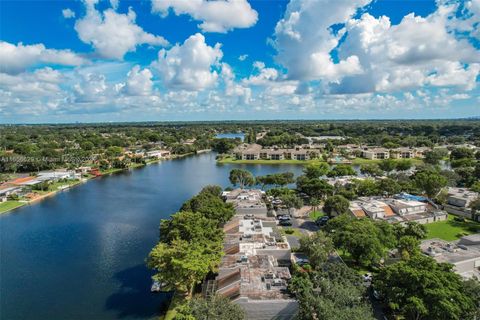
<point x="20" y="204"/>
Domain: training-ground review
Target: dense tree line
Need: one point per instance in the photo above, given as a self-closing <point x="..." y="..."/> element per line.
<point x="191" y="242"/>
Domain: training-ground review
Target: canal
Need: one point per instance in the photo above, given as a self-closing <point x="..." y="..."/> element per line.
<point x="80" y="254"/>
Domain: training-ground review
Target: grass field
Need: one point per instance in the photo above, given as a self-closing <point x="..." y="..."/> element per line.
<point x="314" y="215"/>
<point x="9" y="205"/>
<point x="450" y="229"/>
<point x="291" y="231"/>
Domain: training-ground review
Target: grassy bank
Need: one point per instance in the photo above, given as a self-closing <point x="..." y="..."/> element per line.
<point x="10" y="205"/>
<point x="450" y="229"/>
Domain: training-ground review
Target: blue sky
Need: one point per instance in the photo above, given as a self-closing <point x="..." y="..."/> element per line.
<point x="119" y="60"/>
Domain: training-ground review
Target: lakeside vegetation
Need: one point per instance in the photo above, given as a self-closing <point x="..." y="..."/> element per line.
<point x="190" y="248"/>
<point x="10" y="205"/>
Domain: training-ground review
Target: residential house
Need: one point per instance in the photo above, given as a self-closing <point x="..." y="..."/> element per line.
<point x="396" y="210"/>
<point x="157" y="154"/>
<point x="6" y="191"/>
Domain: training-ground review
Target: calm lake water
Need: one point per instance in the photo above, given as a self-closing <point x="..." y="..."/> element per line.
<point x="80" y="254"/>
<point x="231" y="135"/>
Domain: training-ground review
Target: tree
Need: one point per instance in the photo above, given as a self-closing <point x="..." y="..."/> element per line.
<point x="291" y="201"/>
<point x="224" y="145"/>
<point x="371" y="169"/>
<point x="316" y="188"/>
<point x="215" y="308"/>
<point x="342" y="170"/>
<point x="190" y="226"/>
<point x="421" y="288"/>
<point x="316" y="170"/>
<point x="365" y="187"/>
<point x="475" y="186"/>
<point x="241" y="177"/>
<point x="314" y="202"/>
<point x="388" y="186"/>
<point x="387" y="165"/>
<point x="209" y="203"/>
<point x="430" y="182"/>
<point x="434" y="156"/>
<point x="336" y="205"/>
<point x="276" y="179"/>
<point x="404" y="165"/>
<point x="181" y="265"/>
<point x="408" y="246"/>
<point x="317" y="247"/>
<point x="475" y="207"/>
<point x="333" y="292"/>
<point x="462" y="153"/>
<point x="416" y="230"/>
<point x="362" y="239"/>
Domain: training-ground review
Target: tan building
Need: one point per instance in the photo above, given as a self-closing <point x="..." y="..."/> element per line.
<point x="376" y="153"/>
<point x="254" y="271"/>
<point x="256" y="151"/>
<point x="402" y="153"/>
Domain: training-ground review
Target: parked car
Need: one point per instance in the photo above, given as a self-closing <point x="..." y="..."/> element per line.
<point x="322" y="221"/>
<point x="285" y="223"/>
<point x="283" y="217"/>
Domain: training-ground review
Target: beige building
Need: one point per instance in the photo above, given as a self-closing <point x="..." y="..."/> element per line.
<point x="256" y="151"/>
<point x="254" y="271"/>
<point x="403" y="153"/>
<point x="376" y="153"/>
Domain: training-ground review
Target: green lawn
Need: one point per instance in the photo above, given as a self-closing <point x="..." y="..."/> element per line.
<point x="314" y="215"/>
<point x="291" y="231"/>
<point x="450" y="229"/>
<point x="10" y="205"/>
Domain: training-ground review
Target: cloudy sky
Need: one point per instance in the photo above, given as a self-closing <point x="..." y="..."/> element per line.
<point x="119" y="60"/>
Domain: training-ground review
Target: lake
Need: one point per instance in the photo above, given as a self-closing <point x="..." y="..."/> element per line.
<point x="81" y="253"/>
<point x="231" y="135"/>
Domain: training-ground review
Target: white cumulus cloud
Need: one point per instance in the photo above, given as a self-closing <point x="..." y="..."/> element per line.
<point x="304" y="39"/>
<point x="139" y="82"/>
<point x="68" y="13"/>
<point x="216" y="16"/>
<point x="113" y="34"/>
<point x="189" y="66"/>
<point x="17" y="58"/>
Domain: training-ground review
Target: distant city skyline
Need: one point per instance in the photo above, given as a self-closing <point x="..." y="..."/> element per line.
<point x="170" y="60"/>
